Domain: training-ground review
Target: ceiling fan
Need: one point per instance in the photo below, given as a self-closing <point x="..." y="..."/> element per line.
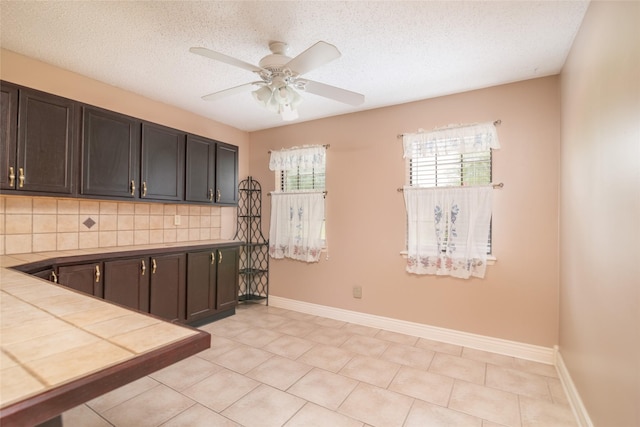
<point x="280" y="78"/>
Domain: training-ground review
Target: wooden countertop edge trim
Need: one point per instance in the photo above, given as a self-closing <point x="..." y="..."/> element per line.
<point x="53" y="402"/>
<point x="130" y="253"/>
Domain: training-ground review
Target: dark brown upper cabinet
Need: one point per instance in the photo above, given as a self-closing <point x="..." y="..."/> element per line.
<point x="39" y="157"/>
<point x="226" y="174"/>
<point x="55" y="146"/>
<point x="8" y="136"/>
<point x="162" y="166"/>
<point x="200" y="169"/>
<point x="110" y="154"/>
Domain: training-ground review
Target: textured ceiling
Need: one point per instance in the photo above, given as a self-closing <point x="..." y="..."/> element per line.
<point x="392" y="52"/>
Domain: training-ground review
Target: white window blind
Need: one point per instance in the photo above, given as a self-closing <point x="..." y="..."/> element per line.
<point x="449" y="170"/>
<point x="301" y="179"/>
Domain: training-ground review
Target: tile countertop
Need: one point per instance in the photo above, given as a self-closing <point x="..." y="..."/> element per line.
<point x="54" y="339"/>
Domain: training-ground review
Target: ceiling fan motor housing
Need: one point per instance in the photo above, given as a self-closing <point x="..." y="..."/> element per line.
<point x="276" y="61"/>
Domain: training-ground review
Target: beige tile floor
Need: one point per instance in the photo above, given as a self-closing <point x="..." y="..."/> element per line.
<point x="273" y="367"/>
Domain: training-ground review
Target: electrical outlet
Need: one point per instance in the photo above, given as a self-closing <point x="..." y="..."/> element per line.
<point x="176" y="220"/>
<point x="357" y="291"/>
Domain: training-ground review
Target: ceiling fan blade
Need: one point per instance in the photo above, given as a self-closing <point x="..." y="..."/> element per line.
<point x="203" y="51"/>
<point x="332" y="92"/>
<point x="314" y="57"/>
<point x="231" y="91"/>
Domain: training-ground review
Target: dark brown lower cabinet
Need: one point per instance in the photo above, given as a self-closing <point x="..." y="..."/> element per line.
<point x="85" y="278"/>
<point x="185" y="286"/>
<point x="126" y="282"/>
<point x="45" y="274"/>
<point x="227" y="278"/>
<point x="167" y="287"/>
<point x="201" y="284"/>
<point x="212" y="278"/>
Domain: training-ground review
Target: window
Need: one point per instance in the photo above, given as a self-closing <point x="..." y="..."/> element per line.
<point x="297" y="228"/>
<point x="451" y="170"/>
<point x="302" y="179"/>
<point x="447" y="170"/>
<point x="452" y="156"/>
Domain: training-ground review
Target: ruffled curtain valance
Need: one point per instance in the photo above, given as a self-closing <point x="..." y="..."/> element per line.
<point x="294" y="158"/>
<point x="453" y="139"/>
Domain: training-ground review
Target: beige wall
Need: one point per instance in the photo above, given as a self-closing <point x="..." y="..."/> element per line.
<point x="518" y="299"/>
<point x="39" y="75"/>
<point x="600" y="213"/>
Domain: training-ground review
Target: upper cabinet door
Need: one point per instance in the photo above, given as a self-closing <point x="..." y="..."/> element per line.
<point x="200" y="164"/>
<point x="8" y="136"/>
<point x="226" y="174"/>
<point x="46" y="142"/>
<point x="110" y="154"/>
<point x="162" y="163"/>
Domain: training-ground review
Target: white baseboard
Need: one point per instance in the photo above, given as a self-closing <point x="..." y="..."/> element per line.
<point x="479" y="342"/>
<point x="579" y="411"/>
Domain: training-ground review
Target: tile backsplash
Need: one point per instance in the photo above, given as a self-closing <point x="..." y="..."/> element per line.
<point x="42" y="224"/>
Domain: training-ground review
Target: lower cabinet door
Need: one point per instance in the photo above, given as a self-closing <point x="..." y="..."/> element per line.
<point x="85" y="278"/>
<point x="201" y="284"/>
<point x="227" y="278"/>
<point x="167" y="287"/>
<point x="126" y="282"/>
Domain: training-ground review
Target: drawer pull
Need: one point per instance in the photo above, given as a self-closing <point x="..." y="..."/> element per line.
<point x="54" y="277"/>
<point x="219" y="256"/>
<point x="143" y="267"/>
<point x="133" y="188"/>
<point x="97" y="273"/>
<point x="213" y="258"/>
<point x="21" y="177"/>
<point x="154" y="266"/>
<point x="12" y="176"/>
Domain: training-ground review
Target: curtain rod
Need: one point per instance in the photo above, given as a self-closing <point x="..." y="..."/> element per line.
<point x="324" y="193"/>
<point x="495" y="123"/>
<point x="295" y="148"/>
<point x="495" y="186"/>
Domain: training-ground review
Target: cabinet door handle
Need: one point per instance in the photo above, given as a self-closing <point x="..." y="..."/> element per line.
<point x="21" y="177"/>
<point x="54" y="277"/>
<point x="143" y="267"/>
<point x="97" y="273"/>
<point x="217" y="195"/>
<point x="219" y="256"/>
<point x="210" y="194"/>
<point x="12" y="176"/>
<point x="144" y="188"/>
<point x="133" y="188"/>
<point x="154" y="266"/>
<point x="213" y="258"/>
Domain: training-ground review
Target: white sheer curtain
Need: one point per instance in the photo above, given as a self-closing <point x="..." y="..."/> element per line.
<point x="448" y="230"/>
<point x="296" y="225"/>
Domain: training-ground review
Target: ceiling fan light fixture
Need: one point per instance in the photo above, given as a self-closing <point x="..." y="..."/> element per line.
<point x="262" y="95"/>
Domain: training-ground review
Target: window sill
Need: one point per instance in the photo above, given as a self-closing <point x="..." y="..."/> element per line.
<point x="491" y="260"/>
